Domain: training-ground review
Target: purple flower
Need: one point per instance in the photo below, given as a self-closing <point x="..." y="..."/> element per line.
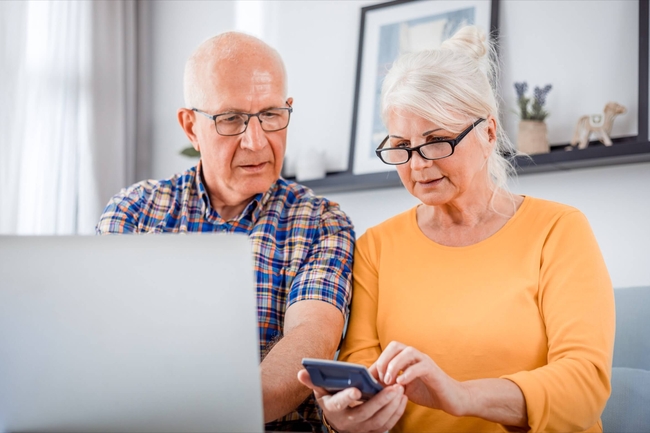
<point x="532" y="108"/>
<point x="540" y="94"/>
<point x="521" y="89"/>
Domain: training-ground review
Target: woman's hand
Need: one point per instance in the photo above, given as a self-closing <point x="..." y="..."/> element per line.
<point x="493" y="399"/>
<point x="345" y="412"/>
<point x="424" y="382"/>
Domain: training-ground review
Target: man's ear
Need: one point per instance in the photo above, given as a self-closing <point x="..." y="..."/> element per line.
<point x="187" y="118"/>
<point x="290" y="101"/>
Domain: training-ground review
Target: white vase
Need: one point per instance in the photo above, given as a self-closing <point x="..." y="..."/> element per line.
<point x="532" y="138"/>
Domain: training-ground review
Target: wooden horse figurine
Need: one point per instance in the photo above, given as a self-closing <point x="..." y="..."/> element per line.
<point x="600" y="125"/>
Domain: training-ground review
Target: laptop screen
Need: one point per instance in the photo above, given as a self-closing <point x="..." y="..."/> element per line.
<point x="128" y="333"/>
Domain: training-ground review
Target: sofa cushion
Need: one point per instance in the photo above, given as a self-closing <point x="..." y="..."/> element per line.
<point x="628" y="406"/>
<point x="632" y="343"/>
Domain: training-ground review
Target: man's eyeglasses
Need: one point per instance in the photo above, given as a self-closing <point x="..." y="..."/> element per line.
<point x="233" y="123"/>
<point x="437" y="149"/>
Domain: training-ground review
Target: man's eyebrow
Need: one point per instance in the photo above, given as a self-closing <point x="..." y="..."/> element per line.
<point x="227" y="110"/>
<point x="424" y="134"/>
<point x="273" y="107"/>
<point x="235" y="110"/>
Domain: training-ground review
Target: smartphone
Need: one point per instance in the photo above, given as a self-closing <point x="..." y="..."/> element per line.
<point x="335" y="376"/>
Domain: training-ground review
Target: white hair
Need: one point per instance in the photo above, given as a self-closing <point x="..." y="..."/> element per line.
<point x="234" y="47"/>
<point x="452" y="86"/>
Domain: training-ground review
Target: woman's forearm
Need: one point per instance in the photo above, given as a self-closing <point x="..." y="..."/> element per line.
<point x="496" y="400"/>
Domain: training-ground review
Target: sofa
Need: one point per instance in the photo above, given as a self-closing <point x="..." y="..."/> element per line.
<point x="628" y="408"/>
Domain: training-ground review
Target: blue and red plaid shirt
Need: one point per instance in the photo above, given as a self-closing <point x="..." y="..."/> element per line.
<point x="302" y="247"/>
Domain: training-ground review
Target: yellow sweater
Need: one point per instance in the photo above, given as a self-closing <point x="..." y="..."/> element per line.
<point x="533" y="303"/>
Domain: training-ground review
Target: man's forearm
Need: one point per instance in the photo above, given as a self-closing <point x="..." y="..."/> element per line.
<point x="312" y="329"/>
<point x="281" y="390"/>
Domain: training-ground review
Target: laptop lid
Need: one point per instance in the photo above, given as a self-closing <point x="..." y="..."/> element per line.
<point x="129" y="333"/>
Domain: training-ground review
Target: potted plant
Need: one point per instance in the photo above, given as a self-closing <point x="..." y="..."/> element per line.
<point x="532" y="137"/>
<point x="190" y="151"/>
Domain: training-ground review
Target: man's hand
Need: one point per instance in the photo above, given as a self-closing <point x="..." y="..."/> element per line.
<point x="312" y="329"/>
<point x="347" y="413"/>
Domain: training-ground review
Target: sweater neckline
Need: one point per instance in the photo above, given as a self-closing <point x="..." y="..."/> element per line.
<point x="413" y="221"/>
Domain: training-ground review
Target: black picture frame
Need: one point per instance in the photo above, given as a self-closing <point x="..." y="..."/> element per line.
<point x="628" y="149"/>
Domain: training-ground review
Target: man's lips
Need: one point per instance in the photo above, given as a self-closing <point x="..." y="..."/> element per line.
<point x="254" y="167"/>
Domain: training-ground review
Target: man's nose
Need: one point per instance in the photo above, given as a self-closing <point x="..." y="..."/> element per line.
<point x="254" y="138"/>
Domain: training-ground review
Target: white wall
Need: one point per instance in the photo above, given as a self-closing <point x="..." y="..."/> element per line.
<point x="177" y="28"/>
<point x="593" y="61"/>
<point x="588" y="51"/>
<point x="318" y="41"/>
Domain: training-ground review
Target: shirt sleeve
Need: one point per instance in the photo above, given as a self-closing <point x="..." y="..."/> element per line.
<point x="361" y="344"/>
<point x="576" y="301"/>
<point x="121" y="213"/>
<point x="326" y="272"/>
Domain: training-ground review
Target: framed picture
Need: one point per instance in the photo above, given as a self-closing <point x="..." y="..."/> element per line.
<point x="388" y="30"/>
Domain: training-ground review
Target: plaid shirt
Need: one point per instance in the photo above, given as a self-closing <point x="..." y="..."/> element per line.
<point x="302" y="247"/>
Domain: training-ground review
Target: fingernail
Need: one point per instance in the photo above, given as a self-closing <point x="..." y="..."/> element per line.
<point x="381" y="376"/>
<point x="387" y="378"/>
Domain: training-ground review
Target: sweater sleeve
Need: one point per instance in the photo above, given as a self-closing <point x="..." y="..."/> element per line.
<point x="361" y="344"/>
<point x="576" y="302"/>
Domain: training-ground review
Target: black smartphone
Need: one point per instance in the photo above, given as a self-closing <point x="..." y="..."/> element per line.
<point x="335" y="376"/>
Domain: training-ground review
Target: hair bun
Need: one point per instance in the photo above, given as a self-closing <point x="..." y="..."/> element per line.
<point x="472" y="42"/>
<point x="469" y="39"/>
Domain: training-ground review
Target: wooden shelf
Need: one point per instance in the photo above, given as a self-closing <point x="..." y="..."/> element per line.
<point x="346" y="182"/>
<point x="623" y="151"/>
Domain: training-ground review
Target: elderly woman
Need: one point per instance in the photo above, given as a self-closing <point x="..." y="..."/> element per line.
<point x="478" y="309"/>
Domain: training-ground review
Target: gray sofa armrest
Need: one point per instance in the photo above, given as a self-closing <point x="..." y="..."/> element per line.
<point x="628" y="408"/>
<point x="632" y="344"/>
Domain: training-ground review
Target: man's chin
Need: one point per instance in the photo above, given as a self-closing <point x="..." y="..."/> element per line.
<point x="251" y="187"/>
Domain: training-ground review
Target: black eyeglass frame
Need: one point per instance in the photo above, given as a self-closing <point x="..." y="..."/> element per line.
<point x="453" y="142"/>
<point x="213" y="117"/>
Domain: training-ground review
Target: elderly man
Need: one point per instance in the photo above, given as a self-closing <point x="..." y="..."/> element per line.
<point x="237" y="112"/>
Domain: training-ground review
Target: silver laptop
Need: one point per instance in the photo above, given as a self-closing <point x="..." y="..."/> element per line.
<point x="128" y="333"/>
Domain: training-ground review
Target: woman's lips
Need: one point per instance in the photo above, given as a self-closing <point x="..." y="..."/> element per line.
<point x="432" y="182"/>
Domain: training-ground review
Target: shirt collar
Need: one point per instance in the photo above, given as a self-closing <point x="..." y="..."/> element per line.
<point x="202" y="191"/>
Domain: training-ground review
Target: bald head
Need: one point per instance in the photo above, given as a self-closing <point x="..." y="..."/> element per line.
<point x="228" y="56"/>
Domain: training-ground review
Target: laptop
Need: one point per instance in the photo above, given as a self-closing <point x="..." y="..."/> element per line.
<point x="129" y="333"/>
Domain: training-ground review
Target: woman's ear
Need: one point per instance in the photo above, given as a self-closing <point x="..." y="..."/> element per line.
<point x="492" y="129"/>
<point x="491" y="133"/>
<point x="186" y="118"/>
